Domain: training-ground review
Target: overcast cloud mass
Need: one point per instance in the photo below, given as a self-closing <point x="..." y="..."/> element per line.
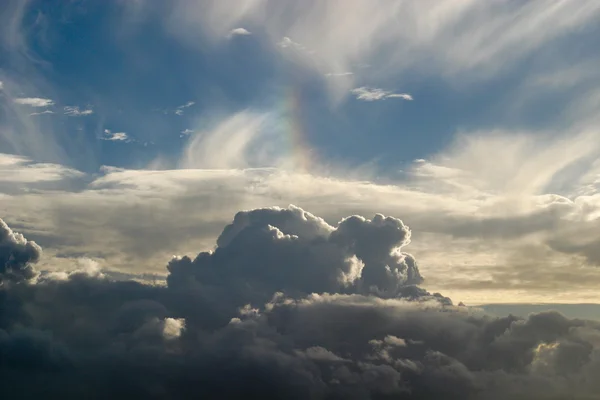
<point x="326" y="199"/>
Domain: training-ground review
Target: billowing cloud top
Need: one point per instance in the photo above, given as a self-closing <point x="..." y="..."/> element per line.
<point x="286" y="307"/>
<point x="290" y="250"/>
<point x="17" y="255"/>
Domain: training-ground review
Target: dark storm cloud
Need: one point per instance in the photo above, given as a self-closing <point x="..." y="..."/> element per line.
<point x="16" y="255"/>
<point x="285" y="307"/>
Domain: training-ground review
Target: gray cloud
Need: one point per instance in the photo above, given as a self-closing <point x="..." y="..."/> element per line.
<point x="84" y="335"/>
<point x="17" y="255"/>
<point x="272" y="249"/>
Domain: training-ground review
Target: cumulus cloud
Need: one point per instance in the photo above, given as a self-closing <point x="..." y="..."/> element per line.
<point x="34" y="101"/>
<point x="17" y="255"/>
<point x="75" y="111"/>
<point x="238" y="32"/>
<point x="293" y="251"/>
<point x="115" y="136"/>
<point x="366" y="93"/>
<point x="209" y="332"/>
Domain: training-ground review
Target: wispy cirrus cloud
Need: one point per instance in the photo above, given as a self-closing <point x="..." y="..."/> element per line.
<point x="45" y="112"/>
<point x="338" y="74"/>
<point x="75" y="111"/>
<point x="450" y="38"/>
<point x="34" y="101"/>
<point x="366" y="93"/>
<point x="181" y="109"/>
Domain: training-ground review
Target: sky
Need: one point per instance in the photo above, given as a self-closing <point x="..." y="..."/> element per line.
<point x="134" y="130"/>
<point x="297" y="199"/>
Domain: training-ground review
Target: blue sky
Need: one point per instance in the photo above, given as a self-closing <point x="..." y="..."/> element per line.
<point x="134" y="73"/>
<point x="475" y="122"/>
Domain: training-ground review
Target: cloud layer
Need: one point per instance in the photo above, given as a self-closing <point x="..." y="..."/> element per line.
<point x="286" y="306"/>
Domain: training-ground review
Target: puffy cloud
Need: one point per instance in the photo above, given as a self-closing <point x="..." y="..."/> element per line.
<point x="271" y="250"/>
<point x="239" y="32"/>
<point x="17" y="255"/>
<point x="115" y="136"/>
<point x="34" y="101"/>
<point x="86" y="335"/>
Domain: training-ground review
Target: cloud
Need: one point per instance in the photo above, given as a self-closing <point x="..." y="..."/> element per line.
<point x="181" y="109"/>
<point x="115" y="136"/>
<point x="524" y="230"/>
<point x="75" y="111"/>
<point x="338" y="74"/>
<point x="449" y="39"/>
<point x="187" y="132"/>
<point x="238" y="32"/>
<point x="373" y="94"/>
<point x="17" y="255"/>
<point x="45" y="112"/>
<point x="22" y="171"/>
<point x="203" y="335"/>
<point x="34" y="101"/>
<point x="1" y="85"/>
<point x="293" y="251"/>
<point x="286" y="42"/>
<point x="237" y="141"/>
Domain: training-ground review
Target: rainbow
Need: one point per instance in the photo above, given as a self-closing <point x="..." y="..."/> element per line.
<point x="301" y="156"/>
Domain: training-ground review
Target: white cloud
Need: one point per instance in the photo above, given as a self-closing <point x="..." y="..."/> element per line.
<point x="187" y="132"/>
<point x="366" y="93"/>
<point x="180" y="109"/>
<point x="239" y="32"/>
<point x="338" y="74"/>
<point x="34" y="101"/>
<point x="115" y="136"/>
<point x="287" y="42"/>
<point x="42" y="113"/>
<point x="1" y="85"/>
<point x="20" y="170"/>
<point x="449" y="39"/>
<point x="75" y="111"/>
<point x="231" y="144"/>
<point x="404" y="96"/>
